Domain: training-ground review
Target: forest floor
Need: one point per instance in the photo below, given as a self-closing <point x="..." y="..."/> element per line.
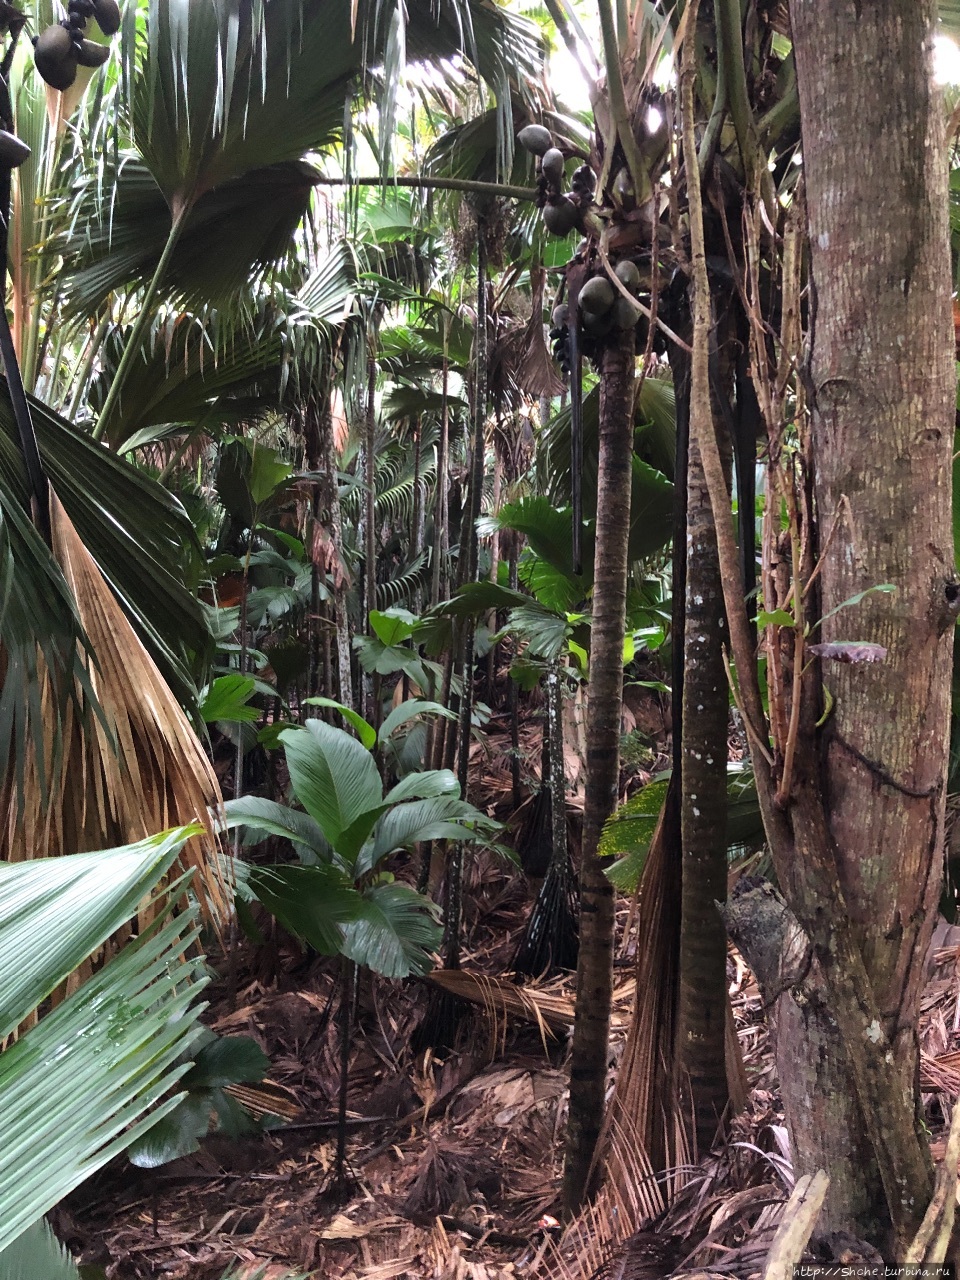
<point x="454" y="1160"/>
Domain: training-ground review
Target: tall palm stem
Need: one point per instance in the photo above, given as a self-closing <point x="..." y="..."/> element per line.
<point x="588" y="1066"/>
<point x="142" y="323"/>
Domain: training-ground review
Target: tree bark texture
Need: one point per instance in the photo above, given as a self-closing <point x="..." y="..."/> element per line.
<point x="588" y="1070"/>
<point x="331" y="499"/>
<point x="880" y="386"/>
<point x="701" y="1048"/>
<point x="817" y="1087"/>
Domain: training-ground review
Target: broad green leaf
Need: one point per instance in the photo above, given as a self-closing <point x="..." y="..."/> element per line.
<point x="335" y="778"/>
<point x="393" y="626"/>
<point x="312" y="903"/>
<point x="176" y="1134"/>
<point x="227" y="1060"/>
<point x="527" y="674"/>
<point x="365" y="730"/>
<point x="268" y="473"/>
<point x="388" y="660"/>
<point x="404" y="825"/>
<point x="775" y="618"/>
<point x="254" y="813"/>
<point x="424" y="785"/>
<point x="228" y="698"/>
<point x="406" y="711"/>
<point x="579" y="655"/>
<point x="396" y="932"/>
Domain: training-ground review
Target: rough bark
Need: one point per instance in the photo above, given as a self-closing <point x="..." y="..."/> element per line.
<point x="880" y="387"/>
<point x="370" y="702"/>
<point x="440" y="515"/>
<point x="817" y="1087"/>
<point x="331" y="500"/>
<point x="588" y="1069"/>
<point x="701" y="1047"/>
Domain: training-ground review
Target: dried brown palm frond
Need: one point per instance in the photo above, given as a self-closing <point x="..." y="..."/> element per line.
<point x="134" y="768"/>
<point x="266" y="1099"/>
<point x="941" y="1074"/>
<point x="597" y="1242"/>
<point x="644" y="1103"/>
<point x="501" y="999"/>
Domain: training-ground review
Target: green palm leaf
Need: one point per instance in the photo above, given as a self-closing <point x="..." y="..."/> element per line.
<point x="182" y="381"/>
<point x="37" y="1252"/>
<point x="403" y="826"/>
<point x="139" y="536"/>
<point x="74" y="1089"/>
<point x="313" y="903"/>
<point x="51" y="900"/>
<point x="396" y="932"/>
<point x="336" y="780"/>
<point x="263" y="817"/>
<point x="121" y="224"/>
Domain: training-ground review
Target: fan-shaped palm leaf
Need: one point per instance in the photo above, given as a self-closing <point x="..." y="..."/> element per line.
<point x="182" y="380"/>
<point x="120" y="225"/>
<point x="136" y="767"/>
<point x="137" y="533"/>
<point x="109" y="1051"/>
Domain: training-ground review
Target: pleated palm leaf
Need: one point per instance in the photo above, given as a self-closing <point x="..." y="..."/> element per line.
<point x="132" y="767"/>
<point x="226" y="100"/>
<point x="76" y="1088"/>
<point x="97" y="749"/>
<point x="187" y="380"/>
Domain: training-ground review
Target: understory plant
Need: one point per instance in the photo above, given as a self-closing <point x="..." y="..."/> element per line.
<point x="341" y="897"/>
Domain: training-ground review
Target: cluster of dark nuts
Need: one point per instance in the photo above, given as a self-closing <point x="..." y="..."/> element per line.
<point x="61" y="49"/>
<point x="562" y="211"/>
<point x="603" y="310"/>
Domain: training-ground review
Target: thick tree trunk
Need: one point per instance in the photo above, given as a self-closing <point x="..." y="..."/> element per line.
<point x="817" y="1087"/>
<point x="701" y="1047"/>
<point x="588" y="1069"/>
<point x="880" y="385"/>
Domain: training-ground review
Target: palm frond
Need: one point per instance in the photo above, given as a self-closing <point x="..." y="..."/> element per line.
<point x="181" y="379"/>
<point x="120" y="222"/>
<point x="401" y="587"/>
<point x="138" y="534"/>
<point x="135" y="768"/>
<point x="110" y="1051"/>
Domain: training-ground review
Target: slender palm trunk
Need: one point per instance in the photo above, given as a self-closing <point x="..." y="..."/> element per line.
<point x="469" y="553"/>
<point x="588" y="1070"/>
<point x="703" y="945"/>
<point x="513" y="691"/>
<point x="417" y="520"/>
<point x="370" y="700"/>
<point x="332" y="502"/>
<point x="440" y="517"/>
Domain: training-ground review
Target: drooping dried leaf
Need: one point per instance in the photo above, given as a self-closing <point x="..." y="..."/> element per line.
<point x="134" y="770"/>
